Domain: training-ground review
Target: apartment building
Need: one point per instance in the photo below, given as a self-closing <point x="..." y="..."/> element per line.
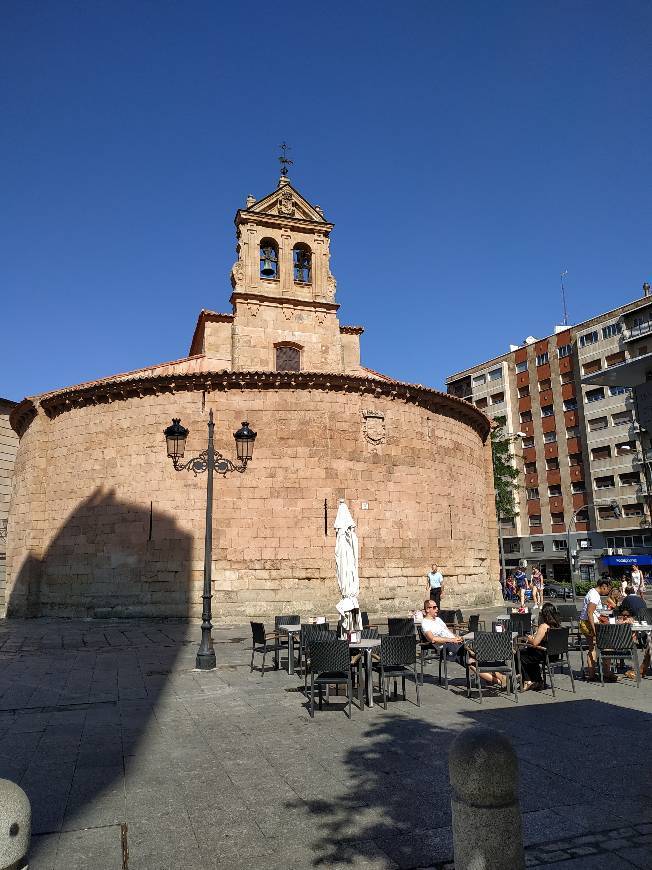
<point x="584" y="469"/>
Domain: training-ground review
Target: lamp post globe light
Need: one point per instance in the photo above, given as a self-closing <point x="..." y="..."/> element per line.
<point x="208" y="460"/>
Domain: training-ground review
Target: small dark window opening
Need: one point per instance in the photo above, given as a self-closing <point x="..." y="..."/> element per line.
<point x="288" y="359"/>
<point x="302" y="258"/>
<point x="268" y="259"/>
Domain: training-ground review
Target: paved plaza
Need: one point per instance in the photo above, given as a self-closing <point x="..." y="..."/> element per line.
<point x="134" y="760"/>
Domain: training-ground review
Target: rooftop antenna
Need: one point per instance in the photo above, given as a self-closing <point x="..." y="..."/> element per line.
<point x="563" y="295"/>
<point x="284" y="160"/>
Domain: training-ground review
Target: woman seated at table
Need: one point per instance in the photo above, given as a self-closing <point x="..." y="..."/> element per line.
<point x="614" y="599"/>
<point x="436" y="632"/>
<point x="534" y="654"/>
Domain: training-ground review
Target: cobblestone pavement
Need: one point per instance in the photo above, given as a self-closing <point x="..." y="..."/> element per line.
<point x="132" y="759"/>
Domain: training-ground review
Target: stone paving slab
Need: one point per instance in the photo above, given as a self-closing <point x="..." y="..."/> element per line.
<point x="120" y="742"/>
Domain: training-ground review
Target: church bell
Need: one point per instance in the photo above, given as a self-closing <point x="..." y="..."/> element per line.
<point x="268" y="268"/>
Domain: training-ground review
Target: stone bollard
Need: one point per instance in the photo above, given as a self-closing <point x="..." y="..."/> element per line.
<point x="487" y="828"/>
<point x="15" y="826"/>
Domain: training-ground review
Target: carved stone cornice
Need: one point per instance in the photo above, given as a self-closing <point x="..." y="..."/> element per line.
<point x="106" y="392"/>
<point x="281" y="301"/>
<point x="351" y="330"/>
<point x="261" y="219"/>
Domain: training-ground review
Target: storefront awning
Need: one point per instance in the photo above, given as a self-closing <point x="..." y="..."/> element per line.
<point x="627" y="560"/>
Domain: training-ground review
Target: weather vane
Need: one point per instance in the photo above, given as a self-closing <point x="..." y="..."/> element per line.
<point x="284" y="160"/>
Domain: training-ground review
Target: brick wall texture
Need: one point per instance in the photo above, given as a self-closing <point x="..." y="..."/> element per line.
<point x="102" y="524"/>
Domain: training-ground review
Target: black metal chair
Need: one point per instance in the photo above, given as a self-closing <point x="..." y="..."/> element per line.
<point x="492" y="651"/>
<point x="521" y="623"/>
<point x="262" y="643"/>
<point x="448" y="616"/>
<point x="312" y="631"/>
<point x="644" y="615"/>
<point x="398" y="658"/>
<point x="556" y="649"/>
<point x="616" y="642"/>
<point x="330" y="663"/>
<point x="397" y="626"/>
<point x="568" y="613"/>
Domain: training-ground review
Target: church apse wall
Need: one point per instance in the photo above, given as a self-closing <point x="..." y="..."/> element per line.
<point x="418" y="465"/>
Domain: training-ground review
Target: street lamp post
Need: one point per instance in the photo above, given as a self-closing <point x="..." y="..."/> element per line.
<point x="615" y="507"/>
<point x="209" y="460"/>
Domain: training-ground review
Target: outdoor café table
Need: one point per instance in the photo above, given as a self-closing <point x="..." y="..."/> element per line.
<point x="290" y="630"/>
<point x="367" y="644"/>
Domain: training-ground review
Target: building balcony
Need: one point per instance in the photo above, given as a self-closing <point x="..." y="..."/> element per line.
<point x="638" y="331"/>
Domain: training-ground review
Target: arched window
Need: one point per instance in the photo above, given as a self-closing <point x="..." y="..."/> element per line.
<point x="268" y="259"/>
<point x="302" y="258"/>
<point x="288" y="358"/>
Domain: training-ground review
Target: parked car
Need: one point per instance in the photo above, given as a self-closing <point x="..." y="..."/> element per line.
<point x="557" y="590"/>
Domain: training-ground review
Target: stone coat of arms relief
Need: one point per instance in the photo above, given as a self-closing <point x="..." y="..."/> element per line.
<point x="286" y="204"/>
<point x="374" y="427"/>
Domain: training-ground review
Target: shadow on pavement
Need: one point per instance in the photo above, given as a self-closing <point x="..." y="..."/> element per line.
<point x="78" y="697"/>
<point x="576" y="758"/>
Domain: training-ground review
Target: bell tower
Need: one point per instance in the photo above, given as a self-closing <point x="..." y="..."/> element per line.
<point x="283" y="249"/>
<point x="284" y="308"/>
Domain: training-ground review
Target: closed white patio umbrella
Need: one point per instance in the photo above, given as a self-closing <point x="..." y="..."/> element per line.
<point x="346" y="564"/>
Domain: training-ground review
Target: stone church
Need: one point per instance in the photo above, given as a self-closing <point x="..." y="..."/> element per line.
<point x="102" y="525"/>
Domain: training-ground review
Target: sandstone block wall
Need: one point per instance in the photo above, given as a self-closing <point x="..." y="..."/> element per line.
<point x="102" y="524"/>
<point x="259" y="327"/>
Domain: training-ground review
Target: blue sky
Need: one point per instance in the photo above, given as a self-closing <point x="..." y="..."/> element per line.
<point x="466" y="152"/>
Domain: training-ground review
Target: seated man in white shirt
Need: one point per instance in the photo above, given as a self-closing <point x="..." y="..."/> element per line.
<point x="437" y="632"/>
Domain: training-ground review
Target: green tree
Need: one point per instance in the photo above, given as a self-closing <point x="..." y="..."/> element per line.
<point x="505" y="474"/>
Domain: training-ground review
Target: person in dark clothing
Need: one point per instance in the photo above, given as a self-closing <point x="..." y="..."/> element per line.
<point x="631" y="602"/>
<point x="535" y="652"/>
<point x="628" y="612"/>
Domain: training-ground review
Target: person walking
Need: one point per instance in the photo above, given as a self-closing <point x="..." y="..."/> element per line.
<point x="435" y="585"/>
<point x="521" y="584"/>
<point x="537" y="587"/>
<point x="636" y="581"/>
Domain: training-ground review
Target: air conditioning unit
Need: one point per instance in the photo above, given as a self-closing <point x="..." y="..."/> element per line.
<point x="619" y="552"/>
<point x="610" y="551"/>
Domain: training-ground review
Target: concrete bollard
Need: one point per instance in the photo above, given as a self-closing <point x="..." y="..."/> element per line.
<point x="15" y="826"/>
<point x="487" y="827"/>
